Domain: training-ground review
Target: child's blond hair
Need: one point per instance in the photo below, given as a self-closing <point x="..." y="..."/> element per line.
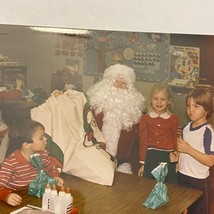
<point x="161" y="87"/>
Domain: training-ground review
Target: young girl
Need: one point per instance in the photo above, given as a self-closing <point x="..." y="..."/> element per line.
<point x="16" y="170"/>
<point x="197" y="148"/>
<point x="158" y="134"/>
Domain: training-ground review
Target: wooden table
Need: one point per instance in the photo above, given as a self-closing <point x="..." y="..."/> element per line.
<point x="125" y="196"/>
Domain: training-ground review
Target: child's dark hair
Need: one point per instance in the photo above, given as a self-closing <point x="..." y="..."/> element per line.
<point x="204" y="98"/>
<point x="27" y="129"/>
<point x="21" y="131"/>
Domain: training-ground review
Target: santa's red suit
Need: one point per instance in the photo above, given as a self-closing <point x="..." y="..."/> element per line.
<point x="126" y="140"/>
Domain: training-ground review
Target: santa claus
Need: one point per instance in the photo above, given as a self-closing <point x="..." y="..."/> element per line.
<point x="118" y="107"/>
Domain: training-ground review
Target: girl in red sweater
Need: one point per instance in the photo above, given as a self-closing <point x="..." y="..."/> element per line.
<point x="158" y="133"/>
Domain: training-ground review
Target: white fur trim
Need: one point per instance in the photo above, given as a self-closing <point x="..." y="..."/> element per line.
<point x="119" y="70"/>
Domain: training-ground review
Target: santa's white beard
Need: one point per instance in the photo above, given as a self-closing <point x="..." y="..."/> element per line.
<point x="111" y="132"/>
<point x="121" y="109"/>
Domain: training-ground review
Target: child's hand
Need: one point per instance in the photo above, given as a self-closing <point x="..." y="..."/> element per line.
<point x="173" y="156"/>
<point x="59" y="181"/>
<point x="140" y="171"/>
<point x="183" y="146"/>
<point x="13" y="199"/>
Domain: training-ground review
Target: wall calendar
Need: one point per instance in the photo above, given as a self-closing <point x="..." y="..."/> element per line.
<point x="184" y="63"/>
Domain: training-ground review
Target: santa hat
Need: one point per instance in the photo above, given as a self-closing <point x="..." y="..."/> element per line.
<point x="120" y="70"/>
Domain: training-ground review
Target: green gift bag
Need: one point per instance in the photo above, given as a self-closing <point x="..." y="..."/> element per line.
<point x="38" y="184"/>
<point x="159" y="193"/>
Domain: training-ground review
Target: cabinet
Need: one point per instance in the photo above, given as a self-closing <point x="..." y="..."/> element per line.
<point x="8" y="74"/>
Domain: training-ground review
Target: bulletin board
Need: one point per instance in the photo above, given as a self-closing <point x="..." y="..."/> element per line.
<point x="146" y="53"/>
<point x="184" y="63"/>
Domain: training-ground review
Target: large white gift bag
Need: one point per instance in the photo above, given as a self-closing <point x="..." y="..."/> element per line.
<point x="69" y="121"/>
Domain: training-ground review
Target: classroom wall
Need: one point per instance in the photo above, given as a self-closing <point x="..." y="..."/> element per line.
<point x="37" y="52"/>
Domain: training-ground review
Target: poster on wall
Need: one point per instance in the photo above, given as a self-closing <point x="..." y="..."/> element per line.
<point x="71" y="49"/>
<point x="146" y="53"/>
<point x="184" y="63"/>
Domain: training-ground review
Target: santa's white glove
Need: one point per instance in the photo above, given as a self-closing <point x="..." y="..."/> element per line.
<point x="127" y="125"/>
